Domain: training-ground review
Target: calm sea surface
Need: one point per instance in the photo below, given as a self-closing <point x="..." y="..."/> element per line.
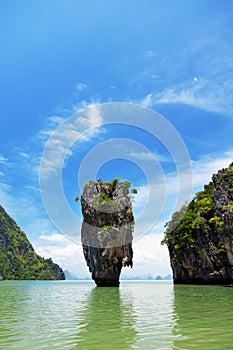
<point x="138" y="315"/>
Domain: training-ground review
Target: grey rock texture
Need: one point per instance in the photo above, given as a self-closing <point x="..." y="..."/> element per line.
<point x="107" y="230"/>
<point x="201" y="244"/>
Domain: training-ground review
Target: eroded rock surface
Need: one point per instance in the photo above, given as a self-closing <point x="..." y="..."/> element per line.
<point x="107" y="230"/>
<point x="200" y="236"/>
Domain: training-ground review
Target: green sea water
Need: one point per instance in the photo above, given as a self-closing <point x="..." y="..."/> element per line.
<point x="138" y="315"/>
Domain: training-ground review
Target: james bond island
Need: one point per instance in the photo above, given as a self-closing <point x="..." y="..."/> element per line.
<point x="200" y="236"/>
<point x="107" y="229"/>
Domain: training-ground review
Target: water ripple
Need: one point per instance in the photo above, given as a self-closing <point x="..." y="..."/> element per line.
<point x="139" y="315"/>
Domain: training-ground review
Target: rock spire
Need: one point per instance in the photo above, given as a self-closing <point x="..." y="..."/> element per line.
<point x="107" y="229"/>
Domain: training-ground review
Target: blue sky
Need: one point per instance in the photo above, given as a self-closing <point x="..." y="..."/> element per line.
<point x="59" y="57"/>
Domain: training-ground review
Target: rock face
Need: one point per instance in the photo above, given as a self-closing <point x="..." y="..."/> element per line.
<point x="200" y="236"/>
<point x="107" y="230"/>
<point x="18" y="260"/>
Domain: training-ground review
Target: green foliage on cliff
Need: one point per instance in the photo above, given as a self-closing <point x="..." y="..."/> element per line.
<point x="181" y="229"/>
<point x="228" y="174"/>
<point x="228" y="207"/>
<point x="199" y="236"/>
<point x="18" y="259"/>
<point x="107" y="191"/>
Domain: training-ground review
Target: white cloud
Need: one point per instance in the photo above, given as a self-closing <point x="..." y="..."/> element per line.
<point x="200" y="93"/>
<point x="3" y="159"/>
<point x="80" y="86"/>
<point x="56" y="120"/>
<point x="150" y="257"/>
<point x="79" y="127"/>
<point x="55" y="238"/>
<point x="180" y="96"/>
<point x="147" y="101"/>
<point x="147" y="156"/>
<point x="24" y="155"/>
<point x="65" y="252"/>
<point x="149" y="249"/>
<point x="204" y="168"/>
<point x="6" y="199"/>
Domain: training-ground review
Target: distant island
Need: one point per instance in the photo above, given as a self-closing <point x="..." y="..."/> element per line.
<point x="148" y="277"/>
<point x="200" y="236"/>
<point x="18" y="260"/>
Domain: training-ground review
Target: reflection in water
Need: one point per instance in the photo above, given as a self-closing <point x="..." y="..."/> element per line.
<point x="204" y="317"/>
<point x="154" y="307"/>
<point x="138" y="315"/>
<point x="106" y="321"/>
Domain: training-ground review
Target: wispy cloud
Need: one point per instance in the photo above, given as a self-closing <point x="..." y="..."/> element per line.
<point x="6" y="199"/>
<point x="80" y="86"/>
<point x="199" y="93"/>
<point x="79" y="127"/>
<point x="205" y="167"/>
<point x="147" y="101"/>
<point x="147" y="156"/>
<point x="24" y="155"/>
<point x="55" y="120"/>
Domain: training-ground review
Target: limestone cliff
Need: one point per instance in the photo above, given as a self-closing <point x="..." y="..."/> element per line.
<point x="107" y="229"/>
<point x="200" y="236"/>
<point x="18" y="260"/>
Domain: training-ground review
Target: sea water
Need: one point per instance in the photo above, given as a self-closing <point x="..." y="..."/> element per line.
<point x="137" y="315"/>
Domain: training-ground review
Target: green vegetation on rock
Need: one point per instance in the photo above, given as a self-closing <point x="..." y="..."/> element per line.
<point x="182" y="228"/>
<point x="107" y="229"/>
<point x="18" y="260"/>
<point x="106" y="198"/>
<point x="199" y="237"/>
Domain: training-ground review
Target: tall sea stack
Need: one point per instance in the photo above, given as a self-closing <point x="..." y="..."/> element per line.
<point x="107" y="229"/>
<point x="200" y="236"/>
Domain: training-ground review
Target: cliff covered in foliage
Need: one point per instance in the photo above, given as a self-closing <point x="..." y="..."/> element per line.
<point x="18" y="260"/>
<point x="107" y="229"/>
<point x="200" y="236"/>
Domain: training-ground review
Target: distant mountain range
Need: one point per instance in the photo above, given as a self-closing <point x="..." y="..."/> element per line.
<point x="18" y="260"/>
<point x="148" y="277"/>
<point x="70" y="276"/>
